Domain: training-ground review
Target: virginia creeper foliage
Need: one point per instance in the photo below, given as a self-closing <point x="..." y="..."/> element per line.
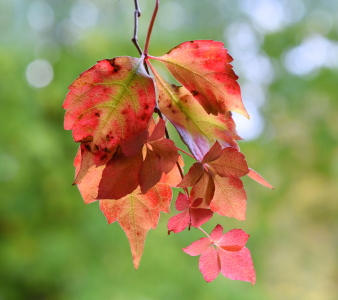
<point x="126" y="160"/>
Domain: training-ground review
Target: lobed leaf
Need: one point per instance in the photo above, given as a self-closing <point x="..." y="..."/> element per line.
<point x="203" y="67"/>
<point x="106" y="104"/>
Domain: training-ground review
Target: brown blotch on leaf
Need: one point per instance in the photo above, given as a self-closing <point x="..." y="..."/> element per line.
<point x="97" y="114"/>
<point x="194" y="93"/>
<point x="88" y="148"/>
<point x="87" y="139"/>
<point x="114" y="65"/>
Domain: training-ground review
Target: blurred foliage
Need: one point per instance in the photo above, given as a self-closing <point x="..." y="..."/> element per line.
<point x="54" y="247"/>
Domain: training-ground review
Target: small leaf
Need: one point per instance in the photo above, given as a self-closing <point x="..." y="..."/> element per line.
<point x="194" y="174"/>
<point x="255" y="176"/>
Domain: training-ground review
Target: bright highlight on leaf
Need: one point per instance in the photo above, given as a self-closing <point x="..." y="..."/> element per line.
<point x="127" y="161"/>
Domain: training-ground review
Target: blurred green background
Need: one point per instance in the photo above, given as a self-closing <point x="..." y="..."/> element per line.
<point x="54" y="247"/>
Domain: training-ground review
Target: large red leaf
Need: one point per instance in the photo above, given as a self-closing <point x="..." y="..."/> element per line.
<point x="108" y="103"/>
<point x="198" y="130"/>
<point x="204" y="68"/>
<point x="137" y="213"/>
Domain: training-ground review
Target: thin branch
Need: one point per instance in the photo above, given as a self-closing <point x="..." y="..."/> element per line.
<point x="137" y="14"/>
<point x="203" y="232"/>
<point x="185" y="152"/>
<point x="158" y="111"/>
<point x="150" y="28"/>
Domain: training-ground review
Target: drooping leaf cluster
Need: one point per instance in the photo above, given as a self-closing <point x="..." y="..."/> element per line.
<point x="128" y="163"/>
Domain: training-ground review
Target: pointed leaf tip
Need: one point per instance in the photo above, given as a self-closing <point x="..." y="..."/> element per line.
<point x="257" y="177"/>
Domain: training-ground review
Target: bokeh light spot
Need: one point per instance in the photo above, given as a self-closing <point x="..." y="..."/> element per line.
<point x="39" y="73"/>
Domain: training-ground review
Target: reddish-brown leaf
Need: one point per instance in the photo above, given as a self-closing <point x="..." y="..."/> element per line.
<point x="205" y="189"/>
<point x="194" y="174"/>
<point x="151" y="172"/>
<point x="120" y="176"/>
<point x="108" y="103"/>
<point x="166" y="150"/>
<point x="198" y="130"/>
<point x="204" y="68"/>
<point x="231" y="163"/>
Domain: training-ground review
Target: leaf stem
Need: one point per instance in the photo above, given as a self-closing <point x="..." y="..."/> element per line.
<point x="137" y="14"/>
<point x="200" y="228"/>
<point x="185" y="152"/>
<point x="150" y="28"/>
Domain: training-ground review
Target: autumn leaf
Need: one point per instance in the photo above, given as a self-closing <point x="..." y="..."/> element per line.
<point x="108" y="103"/>
<point x="198" y="130"/>
<point x="216" y="180"/>
<point x="204" y="68"/>
<point x="255" y="176"/>
<point x="225" y="253"/>
<point x="137" y="213"/>
<point x="191" y="214"/>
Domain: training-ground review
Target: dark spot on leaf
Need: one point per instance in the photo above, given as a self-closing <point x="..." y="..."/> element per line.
<point x="194" y="93"/>
<point x="105" y="149"/>
<point x="143" y="117"/>
<point x="104" y="157"/>
<point x="107" y="138"/>
<point x="96" y="147"/>
<point x="169" y="105"/>
<point x="146" y="106"/>
<point x="97" y="114"/>
<point x="114" y="65"/>
<point x="88" y="147"/>
<point x="173" y="111"/>
<point x="87" y="139"/>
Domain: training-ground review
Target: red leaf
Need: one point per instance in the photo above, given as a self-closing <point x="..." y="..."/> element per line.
<point x="204" y="68"/>
<point x="134" y="144"/>
<point x="108" y="103"/>
<point x="151" y="172"/>
<point x="255" y="176"/>
<point x="234" y="240"/>
<point x="120" y="176"/>
<point x="230" y="198"/>
<point x="158" y="132"/>
<point x="190" y="215"/>
<point x="198" y="130"/>
<point x="137" y="213"/>
<point x="209" y="264"/>
<point x="199" y="216"/>
<point x="179" y="222"/>
<point x="198" y="247"/>
<point x="182" y="202"/>
<point x="235" y="264"/>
